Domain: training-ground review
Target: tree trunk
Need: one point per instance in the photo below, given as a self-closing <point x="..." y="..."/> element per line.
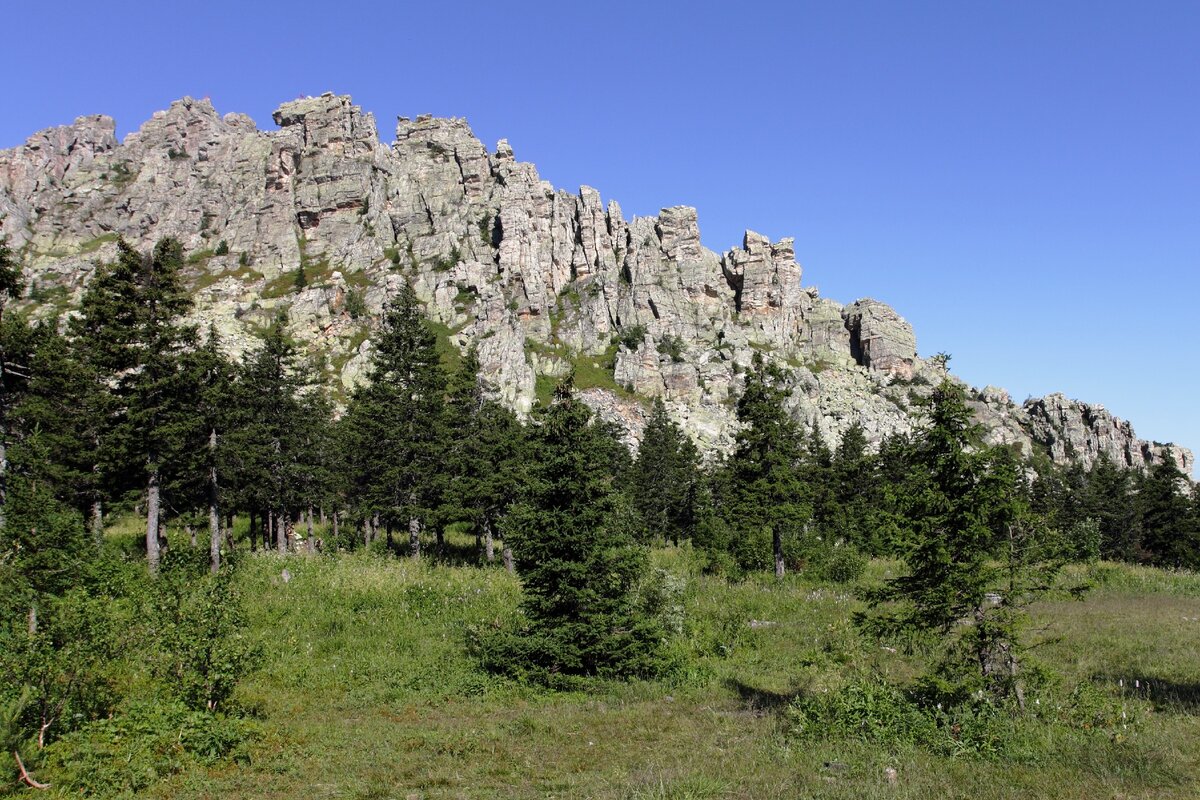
<point x="152" y="522"/>
<point x="214" y="514"/>
<point x="507" y="557"/>
<point x="191" y="534"/>
<point x="777" y="544"/>
<point x="367" y="532"/>
<point x="489" y="545"/>
<point x="322" y="516"/>
<point x="96" y="521"/>
<point x="335" y="528"/>
<point x="414" y="537"/>
<point x="312" y="539"/>
<point x="281" y="532"/>
<point x="33" y="621"/>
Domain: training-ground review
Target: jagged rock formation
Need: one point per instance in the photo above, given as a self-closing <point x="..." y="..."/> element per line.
<point x="540" y="280"/>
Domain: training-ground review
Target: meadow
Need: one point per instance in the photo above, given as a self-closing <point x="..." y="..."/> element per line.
<point x="367" y="690"/>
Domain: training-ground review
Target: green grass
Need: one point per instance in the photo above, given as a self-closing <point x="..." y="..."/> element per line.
<point x="92" y="245"/>
<point x="367" y="691"/>
<point x="448" y="352"/>
<point x="591" y="372"/>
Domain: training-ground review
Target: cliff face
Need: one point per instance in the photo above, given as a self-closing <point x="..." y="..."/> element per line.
<point x="539" y="280"/>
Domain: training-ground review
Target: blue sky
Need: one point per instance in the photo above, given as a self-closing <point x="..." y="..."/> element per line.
<point x="1021" y="180"/>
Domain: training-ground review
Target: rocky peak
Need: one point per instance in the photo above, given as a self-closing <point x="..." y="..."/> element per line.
<point x="538" y="279"/>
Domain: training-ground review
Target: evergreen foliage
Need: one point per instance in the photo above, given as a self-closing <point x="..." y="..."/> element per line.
<point x="663" y="479"/>
<point x="579" y="571"/>
<point x="1170" y="537"/>
<point x="768" y="507"/>
<point x="393" y="432"/>
<point x="978" y="560"/>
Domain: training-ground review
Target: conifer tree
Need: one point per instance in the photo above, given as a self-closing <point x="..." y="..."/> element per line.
<point x="1169" y="535"/>
<point x="485" y="455"/>
<point x="579" y="571"/>
<point x="1108" y="498"/>
<point x="10" y="289"/>
<point x="210" y="376"/>
<point x="264" y="447"/>
<point x="62" y="404"/>
<point x="663" y="478"/>
<point x="972" y="534"/>
<point x="393" y="434"/>
<point x="130" y="328"/>
<point x="853" y="488"/>
<point x="768" y="504"/>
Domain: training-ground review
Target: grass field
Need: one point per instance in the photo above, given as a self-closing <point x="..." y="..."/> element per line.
<point x="366" y="691"/>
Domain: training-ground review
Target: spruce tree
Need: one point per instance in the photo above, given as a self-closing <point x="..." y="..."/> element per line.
<point x="1108" y="498"/>
<point x="1169" y="536"/>
<point x="853" y="489"/>
<point x="485" y="456"/>
<point x="663" y="479"/>
<point x="972" y="534"/>
<point x="131" y="331"/>
<point x="263" y="447"/>
<point x="579" y="570"/>
<point x="10" y="289"/>
<point x="393" y="431"/>
<point x="210" y="376"/>
<point x="767" y="504"/>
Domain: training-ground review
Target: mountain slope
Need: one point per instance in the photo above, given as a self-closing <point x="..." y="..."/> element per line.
<point x="540" y="280"/>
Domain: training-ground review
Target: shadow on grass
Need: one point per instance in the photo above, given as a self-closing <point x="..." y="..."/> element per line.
<point x="1165" y="695"/>
<point x="762" y="701"/>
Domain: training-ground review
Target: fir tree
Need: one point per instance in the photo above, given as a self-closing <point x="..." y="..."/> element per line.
<point x="663" y="480"/>
<point x="579" y="571"/>
<point x="392" y="429"/>
<point x="768" y="505"/>
<point x="10" y="289"/>
<point x="263" y="446"/>
<point x="485" y="455"/>
<point x="1169" y="535"/>
<point x="972" y="533"/>
<point x="853" y="488"/>
<point x="211" y="377"/>
<point x="130" y="329"/>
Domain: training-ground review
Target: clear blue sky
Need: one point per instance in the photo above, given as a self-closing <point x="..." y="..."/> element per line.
<point x="1021" y="180"/>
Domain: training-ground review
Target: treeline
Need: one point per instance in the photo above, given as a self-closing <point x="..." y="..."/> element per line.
<point x="129" y="407"/>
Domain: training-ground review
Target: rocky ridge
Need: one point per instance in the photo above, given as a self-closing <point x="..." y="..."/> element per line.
<point x="538" y="279"/>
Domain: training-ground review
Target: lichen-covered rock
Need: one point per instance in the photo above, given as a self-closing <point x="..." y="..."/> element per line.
<point x="880" y="339"/>
<point x="535" y="278"/>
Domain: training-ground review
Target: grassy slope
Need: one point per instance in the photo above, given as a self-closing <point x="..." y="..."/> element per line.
<point x="366" y="693"/>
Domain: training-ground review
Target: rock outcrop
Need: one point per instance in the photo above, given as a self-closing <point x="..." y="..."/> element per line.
<point x="538" y="279"/>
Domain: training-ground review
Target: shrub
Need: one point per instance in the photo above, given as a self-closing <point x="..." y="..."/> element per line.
<point x="844" y="565"/>
<point x="145" y="742"/>
<point x="203" y="647"/>
<point x="671" y="346"/>
<point x="222" y="248"/>
<point x="631" y="337"/>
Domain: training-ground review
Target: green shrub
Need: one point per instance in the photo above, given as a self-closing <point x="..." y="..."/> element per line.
<point x="844" y="565"/>
<point x="222" y="248"/>
<point x="144" y="743"/>
<point x="203" y="647"/>
<point x="671" y="346"/>
<point x="356" y="306"/>
<point x="632" y="336"/>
